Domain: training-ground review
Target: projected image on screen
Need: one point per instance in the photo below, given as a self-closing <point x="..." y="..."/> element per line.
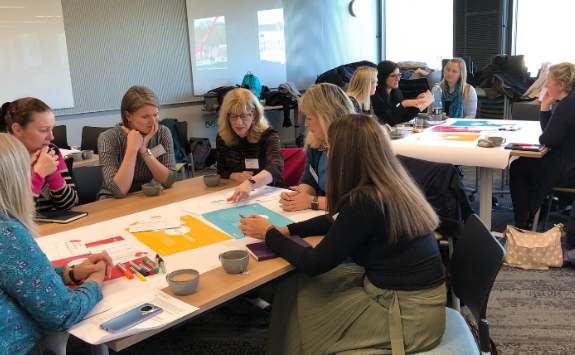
<point x="211" y="49"/>
<point x="271" y="35"/>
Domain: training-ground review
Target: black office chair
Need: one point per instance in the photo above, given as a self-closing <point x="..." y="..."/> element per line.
<point x="89" y="180"/>
<point x="60" y="137"/>
<point x="188" y="148"/>
<point x="90" y="137"/>
<point x="70" y="166"/>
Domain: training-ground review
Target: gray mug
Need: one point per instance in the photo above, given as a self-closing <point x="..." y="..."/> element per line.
<point x="76" y="155"/>
<point x="152" y="189"/>
<point x="88" y="154"/>
<point x="212" y="180"/>
<point x="497" y="141"/>
<point x="185" y="286"/>
<point x="235" y="261"/>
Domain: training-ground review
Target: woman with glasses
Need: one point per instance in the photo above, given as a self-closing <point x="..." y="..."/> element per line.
<point x="248" y="148"/>
<point x="361" y="87"/>
<point x="388" y="102"/>
<point x="138" y="149"/>
<point x="459" y="98"/>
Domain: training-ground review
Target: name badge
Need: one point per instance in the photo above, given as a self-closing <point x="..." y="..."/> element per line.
<point x="314" y="174"/>
<point x="252" y="164"/>
<point x="46" y="192"/>
<point x="158" y="150"/>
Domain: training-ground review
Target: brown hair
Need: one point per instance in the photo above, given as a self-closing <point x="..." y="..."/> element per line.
<point x="134" y="99"/>
<point x="237" y="102"/>
<point x="564" y="73"/>
<point x="374" y="171"/>
<point x="20" y="111"/>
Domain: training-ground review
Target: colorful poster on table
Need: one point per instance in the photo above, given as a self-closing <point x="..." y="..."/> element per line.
<point x="228" y="219"/>
<point x="191" y="235"/>
<point x="475" y="123"/>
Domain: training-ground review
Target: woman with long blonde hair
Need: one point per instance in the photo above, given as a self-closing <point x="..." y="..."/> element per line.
<point x="248" y="148"/>
<point x="459" y="98"/>
<point x="362" y="86"/>
<point x="393" y="297"/>
<point x="33" y="293"/>
<point x="321" y="105"/>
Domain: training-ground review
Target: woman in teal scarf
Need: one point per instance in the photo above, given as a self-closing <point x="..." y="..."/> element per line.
<point x="459" y="98"/>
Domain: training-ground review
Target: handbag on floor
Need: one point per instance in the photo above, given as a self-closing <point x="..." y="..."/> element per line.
<point x="532" y="250"/>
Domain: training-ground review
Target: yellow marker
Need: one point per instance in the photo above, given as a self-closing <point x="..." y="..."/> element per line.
<point x="138" y="275"/>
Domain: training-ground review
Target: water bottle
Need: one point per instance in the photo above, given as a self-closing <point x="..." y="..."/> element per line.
<point x="437" y="106"/>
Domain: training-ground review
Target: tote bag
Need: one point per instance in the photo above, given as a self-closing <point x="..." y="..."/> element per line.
<point x="531" y="250"/>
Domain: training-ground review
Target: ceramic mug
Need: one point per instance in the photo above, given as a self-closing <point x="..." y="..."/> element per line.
<point x="183" y="282"/>
<point x="77" y="156"/>
<point x="212" y="180"/>
<point x="235" y="261"/>
<point x="88" y="154"/>
<point x="152" y="189"/>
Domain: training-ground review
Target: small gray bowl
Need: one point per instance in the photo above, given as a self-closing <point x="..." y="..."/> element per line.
<point x="76" y="155"/>
<point x="235" y="261"/>
<point x="152" y="189"/>
<point x="183" y="288"/>
<point x="212" y="180"/>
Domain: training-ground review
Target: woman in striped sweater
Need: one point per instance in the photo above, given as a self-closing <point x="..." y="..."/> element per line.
<point x="31" y="121"/>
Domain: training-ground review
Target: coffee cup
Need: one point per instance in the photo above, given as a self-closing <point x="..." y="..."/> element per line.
<point x="77" y="156"/>
<point x="212" y="180"/>
<point x="87" y="154"/>
<point x="152" y="189"/>
<point x="496" y="138"/>
<point x="183" y="282"/>
<point x="396" y="134"/>
<point x="235" y="261"/>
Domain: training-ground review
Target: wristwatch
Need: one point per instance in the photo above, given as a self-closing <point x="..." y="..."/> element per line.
<point x="314" y="204"/>
<point x="71" y="275"/>
<point x="252" y="181"/>
<point x="148" y="152"/>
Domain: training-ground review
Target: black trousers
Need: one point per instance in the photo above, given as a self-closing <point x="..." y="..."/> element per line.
<point x="521" y="173"/>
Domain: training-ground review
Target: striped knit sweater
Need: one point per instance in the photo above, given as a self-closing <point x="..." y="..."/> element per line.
<point x="56" y="191"/>
<point x="232" y="159"/>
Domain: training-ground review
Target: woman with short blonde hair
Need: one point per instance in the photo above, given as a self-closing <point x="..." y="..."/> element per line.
<point x="33" y="292"/>
<point x="138" y="150"/>
<point x="362" y="86"/>
<point x="322" y="105"/>
<point x="459" y="98"/>
<point x="248" y="148"/>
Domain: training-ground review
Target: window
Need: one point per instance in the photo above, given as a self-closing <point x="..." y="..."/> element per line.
<point x="211" y="48"/>
<point x="271" y="35"/>
<point x="419" y="30"/>
<point x="543" y="32"/>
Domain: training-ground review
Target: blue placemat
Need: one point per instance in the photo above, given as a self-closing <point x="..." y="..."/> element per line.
<point x="228" y="219"/>
<point x="472" y="123"/>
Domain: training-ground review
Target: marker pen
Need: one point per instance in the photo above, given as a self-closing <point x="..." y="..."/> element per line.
<point x="162" y="266"/>
<point x="145" y="267"/>
<point x="150" y="265"/>
<point x="522" y="145"/>
<point x="140" y="276"/>
<point x="122" y="268"/>
<point x="139" y="268"/>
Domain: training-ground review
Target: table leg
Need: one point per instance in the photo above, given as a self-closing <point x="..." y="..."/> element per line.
<point x="101" y="349"/>
<point x="485" y="198"/>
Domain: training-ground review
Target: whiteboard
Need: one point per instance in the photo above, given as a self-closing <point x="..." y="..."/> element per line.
<point x="34" y="55"/>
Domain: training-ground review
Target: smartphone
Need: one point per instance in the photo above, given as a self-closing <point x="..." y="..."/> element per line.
<point x="131" y="318"/>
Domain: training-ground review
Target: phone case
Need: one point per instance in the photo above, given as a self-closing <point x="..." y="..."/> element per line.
<point x="131" y="318"/>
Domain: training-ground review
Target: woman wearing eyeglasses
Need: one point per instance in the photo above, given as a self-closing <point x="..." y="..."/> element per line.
<point x="248" y="149"/>
<point x="388" y="102"/>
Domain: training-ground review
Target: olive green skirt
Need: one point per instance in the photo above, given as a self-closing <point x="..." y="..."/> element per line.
<point x="342" y="312"/>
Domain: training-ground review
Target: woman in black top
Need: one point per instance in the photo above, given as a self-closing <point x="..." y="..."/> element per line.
<point x="388" y="102"/>
<point x="379" y="217"/>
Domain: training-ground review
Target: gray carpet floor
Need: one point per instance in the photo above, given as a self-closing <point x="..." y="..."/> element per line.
<point x="530" y="312"/>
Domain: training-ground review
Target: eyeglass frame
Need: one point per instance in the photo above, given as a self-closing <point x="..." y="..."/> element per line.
<point x="247" y="116"/>
<point x="396" y="76"/>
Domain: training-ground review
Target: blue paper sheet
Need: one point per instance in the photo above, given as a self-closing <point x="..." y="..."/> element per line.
<point x="228" y="219"/>
<point x="473" y="123"/>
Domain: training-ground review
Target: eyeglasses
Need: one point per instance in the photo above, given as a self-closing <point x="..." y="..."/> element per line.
<point x="244" y="117"/>
<point x="395" y="76"/>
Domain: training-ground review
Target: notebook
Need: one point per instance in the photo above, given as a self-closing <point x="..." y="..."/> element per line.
<point x="527" y="147"/>
<point x="59" y="216"/>
<point x="260" y="251"/>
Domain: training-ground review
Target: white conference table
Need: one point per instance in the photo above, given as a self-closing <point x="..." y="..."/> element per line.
<point x="444" y="147"/>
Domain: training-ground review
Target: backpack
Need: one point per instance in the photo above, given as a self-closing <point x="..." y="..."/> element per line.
<point x="178" y="139"/>
<point x="252" y="82"/>
<point x="201" y="148"/>
<point x="221" y="93"/>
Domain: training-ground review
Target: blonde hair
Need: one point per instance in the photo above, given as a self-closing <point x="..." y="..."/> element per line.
<point x="325" y="102"/>
<point x="564" y="73"/>
<point x="16" y="200"/>
<point x="374" y="172"/>
<point x="464" y="88"/>
<point x="360" y="85"/>
<point x="134" y="99"/>
<point x="237" y="102"/>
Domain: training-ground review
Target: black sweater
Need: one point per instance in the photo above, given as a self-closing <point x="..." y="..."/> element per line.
<point x="392" y="111"/>
<point x="360" y="231"/>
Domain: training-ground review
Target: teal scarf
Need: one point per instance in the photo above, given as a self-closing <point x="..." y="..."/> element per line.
<point x="456" y="107"/>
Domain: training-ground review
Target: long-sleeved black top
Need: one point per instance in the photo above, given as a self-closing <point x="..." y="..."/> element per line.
<point x="391" y="111"/>
<point x="360" y="231"/>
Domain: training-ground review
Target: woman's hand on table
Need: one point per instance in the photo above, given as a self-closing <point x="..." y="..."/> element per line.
<point x="241" y="177"/>
<point x="96" y="267"/>
<point x="242" y="192"/>
<point x="255" y="226"/>
<point x="295" y="201"/>
<point x="45" y="163"/>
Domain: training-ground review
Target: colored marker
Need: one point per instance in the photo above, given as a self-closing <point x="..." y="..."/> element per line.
<point x="145" y="267"/>
<point x="122" y="268"/>
<point x="140" y="276"/>
<point x="149" y="263"/>
<point x="522" y="145"/>
<point x="160" y="262"/>
<point x="139" y="268"/>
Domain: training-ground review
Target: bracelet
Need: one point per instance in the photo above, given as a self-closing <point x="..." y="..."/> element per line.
<point x="252" y="181"/>
<point x="270" y="228"/>
<point x="71" y="275"/>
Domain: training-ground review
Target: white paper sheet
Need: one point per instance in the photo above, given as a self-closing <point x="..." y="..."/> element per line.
<point x="173" y="309"/>
<point x="120" y="251"/>
<point x="64" y="250"/>
<point x="428" y="101"/>
<point x="156" y="223"/>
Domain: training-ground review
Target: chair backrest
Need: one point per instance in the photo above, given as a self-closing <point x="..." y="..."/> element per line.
<point x="475" y="263"/>
<point x="60" y="137"/>
<point x="90" y="137"/>
<point x="177" y="138"/>
<point x="184" y="129"/>
<point x="411" y="88"/>
<point x="89" y="181"/>
<point x="294" y="164"/>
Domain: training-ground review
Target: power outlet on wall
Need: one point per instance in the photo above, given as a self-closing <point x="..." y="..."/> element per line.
<point x="210" y="124"/>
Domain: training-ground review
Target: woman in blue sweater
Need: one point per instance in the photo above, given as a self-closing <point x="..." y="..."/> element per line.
<point x="532" y="179"/>
<point x="321" y="105"/>
<point x="33" y="294"/>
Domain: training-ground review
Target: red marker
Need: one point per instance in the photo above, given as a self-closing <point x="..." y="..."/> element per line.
<point x="522" y="145"/>
<point x="128" y="274"/>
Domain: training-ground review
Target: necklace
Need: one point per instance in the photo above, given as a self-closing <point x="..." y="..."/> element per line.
<point x="322" y="146"/>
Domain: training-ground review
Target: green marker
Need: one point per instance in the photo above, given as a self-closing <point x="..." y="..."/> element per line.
<point x="149" y="263"/>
